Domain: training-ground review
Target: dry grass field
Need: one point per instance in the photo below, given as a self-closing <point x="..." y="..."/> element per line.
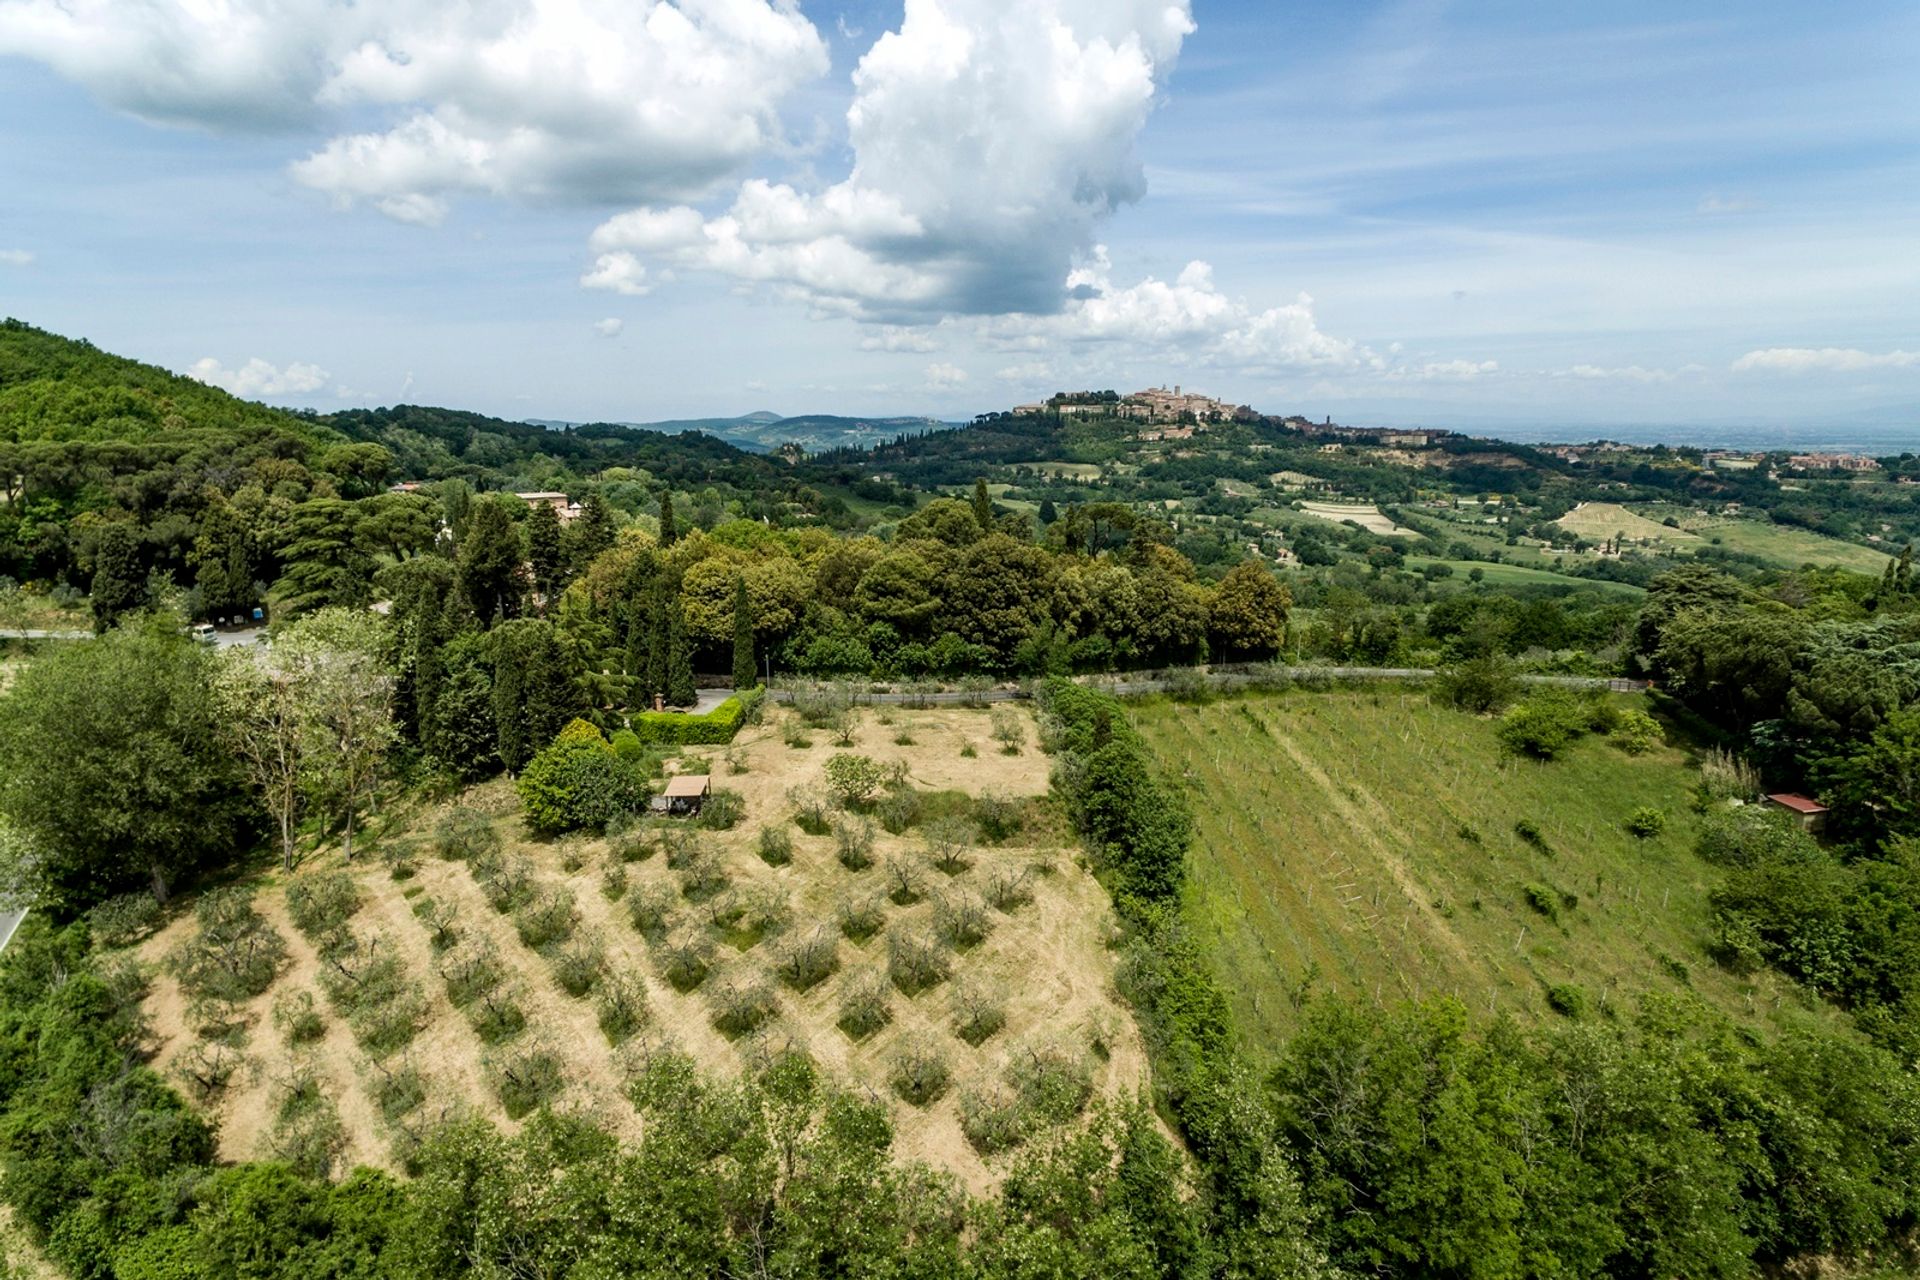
<point x="1364" y="514"/>
<point x="683" y="938"/>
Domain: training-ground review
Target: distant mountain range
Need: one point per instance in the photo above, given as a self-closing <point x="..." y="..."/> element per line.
<point x="765" y="431"/>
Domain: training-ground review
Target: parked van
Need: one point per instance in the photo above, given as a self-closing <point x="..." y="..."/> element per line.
<point x="203" y="632"/>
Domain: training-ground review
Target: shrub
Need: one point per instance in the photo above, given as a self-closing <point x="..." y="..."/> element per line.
<point x="993" y="1119"/>
<point x="918" y="1070"/>
<point x="1646" y="822"/>
<point x="401" y="858"/>
<point x="979" y="1009"/>
<point x="297" y="1015"/>
<point x="967" y="751"/>
<point x="627" y="745"/>
<point x="704" y="876"/>
<point x="124" y="920"/>
<point x="1007" y="730"/>
<point x="866" y="1005"/>
<point x="809" y="958"/>
<point x="1549" y="720"/>
<point x="233" y="954"/>
<point x="496" y="1014"/>
<point x="1478" y="685"/>
<point x="384" y="1027"/>
<point x="464" y="833"/>
<point x="613" y="880"/>
<point x="1000" y="817"/>
<point x="1529" y="831"/>
<point x="906" y="883"/>
<point x="915" y="960"/>
<point x="1008" y="888"/>
<point x="853" y="842"/>
<point x="398" y="1090"/>
<point x="810" y="811"/>
<point x="683" y="729"/>
<point x="579" y="782"/>
<point x="306" y="1134"/>
<point x="683" y="845"/>
<point x="1566" y="999"/>
<point x="622" y="1007"/>
<point x="897" y="809"/>
<point x="442" y="920"/>
<point x="742" y="1001"/>
<point x="547" y="919"/>
<point x="860" y="916"/>
<point x="578" y="965"/>
<point x="1637" y="733"/>
<point x="1054" y="1081"/>
<point x="321" y="904"/>
<point x="650" y="907"/>
<point x="853" y="779"/>
<point x="961" y="918"/>
<point x="630" y="837"/>
<point x="775" y="846"/>
<point x="1726" y="776"/>
<point x="949" y="841"/>
<point x="506" y="882"/>
<point x="722" y="810"/>
<point x="525" y="1076"/>
<point x="1544" y="901"/>
<point x="822" y="705"/>
<point x="685" y="958"/>
<point x="471" y="972"/>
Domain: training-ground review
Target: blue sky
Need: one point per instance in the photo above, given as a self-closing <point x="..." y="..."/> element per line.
<point x="1473" y="215"/>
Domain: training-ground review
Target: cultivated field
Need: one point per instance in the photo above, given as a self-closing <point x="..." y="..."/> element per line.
<point x="1364" y="514"/>
<point x="1367" y="843"/>
<point x="945" y="971"/>
<point x="1785" y="547"/>
<point x="1518" y="575"/>
<point x="1600" y="521"/>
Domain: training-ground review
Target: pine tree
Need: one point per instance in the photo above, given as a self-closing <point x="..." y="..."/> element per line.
<point x="669" y="533"/>
<point x="119" y="586"/>
<point x="743" y="671"/>
<point x="593" y="532"/>
<point x="545" y="553"/>
<point x="680" y="690"/>
<point x="982" y="504"/>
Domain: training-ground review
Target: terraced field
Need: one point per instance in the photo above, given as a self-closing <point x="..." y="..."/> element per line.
<point x="1371" y="843"/>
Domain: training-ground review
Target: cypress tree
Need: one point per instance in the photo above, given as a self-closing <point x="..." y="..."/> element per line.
<point x="982" y="504"/>
<point x="118" y="585"/>
<point x="664" y="598"/>
<point x="743" y="677"/>
<point x="534" y="692"/>
<point x="1903" y="576"/>
<point x="669" y="534"/>
<point x="680" y="690"/>
<point x="1048" y="512"/>
<point x="545" y="553"/>
<point x="593" y="533"/>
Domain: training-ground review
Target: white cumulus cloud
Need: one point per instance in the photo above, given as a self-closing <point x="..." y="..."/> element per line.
<point x="945" y="377"/>
<point x="620" y="272"/>
<point x="610" y="327"/>
<point x="1822" y="360"/>
<point x="258" y="378"/>
<point x="1625" y="373"/>
<point x="16" y="257"/>
<point x="897" y="338"/>
<point x="594" y="100"/>
<point x="988" y="139"/>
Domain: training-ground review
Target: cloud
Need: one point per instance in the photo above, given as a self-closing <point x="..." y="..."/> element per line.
<point x="582" y="100"/>
<point x="1031" y="371"/>
<point x="896" y="338"/>
<point x="620" y="272"/>
<point x="1821" y="360"/>
<point x="989" y="140"/>
<point x="258" y="378"/>
<point x="1712" y="206"/>
<point x="610" y="327"/>
<point x="1445" y="371"/>
<point x="945" y="377"/>
<point x="1627" y="373"/>
<point x="1188" y="313"/>
<point x="16" y="258"/>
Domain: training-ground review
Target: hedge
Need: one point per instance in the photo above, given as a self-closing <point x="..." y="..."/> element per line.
<point x="679" y="729"/>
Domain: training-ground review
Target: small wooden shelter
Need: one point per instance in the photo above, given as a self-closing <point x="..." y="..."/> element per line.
<point x="687" y="792"/>
<point x="1812" y="815"/>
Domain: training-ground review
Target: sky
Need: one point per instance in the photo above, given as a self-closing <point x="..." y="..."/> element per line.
<point x="1447" y="214"/>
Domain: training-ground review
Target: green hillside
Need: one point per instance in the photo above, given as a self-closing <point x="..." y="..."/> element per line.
<point x="1366" y="844"/>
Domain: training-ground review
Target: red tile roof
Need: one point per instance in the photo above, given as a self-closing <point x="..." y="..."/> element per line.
<point x="1798" y="803"/>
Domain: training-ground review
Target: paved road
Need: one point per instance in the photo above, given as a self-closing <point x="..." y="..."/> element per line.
<point x="9" y="921"/>
<point x="221" y="639"/>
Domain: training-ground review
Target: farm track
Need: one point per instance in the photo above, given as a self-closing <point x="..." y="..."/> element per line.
<point x="1226" y="681"/>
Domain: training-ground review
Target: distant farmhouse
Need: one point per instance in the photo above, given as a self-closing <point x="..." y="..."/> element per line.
<point x="565" y="508"/>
